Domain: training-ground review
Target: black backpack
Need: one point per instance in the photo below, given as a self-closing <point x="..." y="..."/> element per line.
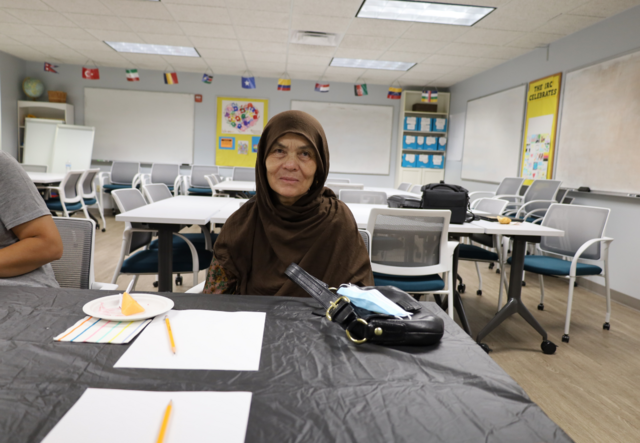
<point x="442" y="196"/>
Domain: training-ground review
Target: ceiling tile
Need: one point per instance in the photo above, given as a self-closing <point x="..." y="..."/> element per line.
<point x="79" y="6"/>
<point x="6" y="40"/>
<point x="264" y="34"/>
<point x="64" y="32"/>
<point x="431" y="69"/>
<point x="219" y="65"/>
<point x="40" y="17"/>
<point x="265" y="65"/>
<point x="417" y="45"/>
<point x="36" y="40"/>
<point x="91" y="44"/>
<point x="604" y="8"/>
<point x="366" y="42"/>
<point x="381" y="28"/>
<point x="450" y="60"/>
<point x="145" y="9"/>
<point x="506" y="53"/>
<point x="343" y="74"/>
<point x="206" y="30"/>
<point x="535" y="40"/>
<point x="24" y="4"/>
<point x="262" y="46"/>
<point x="428" y="31"/>
<point x="319" y="24"/>
<point x="467" y="49"/>
<point x="366" y="54"/>
<point x="567" y="24"/>
<point x="147" y="61"/>
<point x="487" y="3"/>
<point x="222" y="54"/>
<point x="486" y="62"/>
<point x="415" y="78"/>
<point x="376" y="76"/>
<point x="332" y="8"/>
<point x="153" y="26"/>
<point x="309" y="60"/>
<point x="218" y="3"/>
<point x="215" y="43"/>
<point x="399" y="56"/>
<point x="162" y="39"/>
<point x="229" y="70"/>
<point x="248" y="18"/>
<point x="116" y="36"/>
<point x="90" y="21"/>
<point x="107" y="58"/>
<point x="199" y="14"/>
<point x="186" y="63"/>
<point x="65" y="54"/>
<point x="24" y="52"/>
<point x="515" y="21"/>
<point x="528" y="8"/>
<point x="261" y="5"/>
<point x="264" y="57"/>
<point x="489" y="36"/>
<point x="312" y="50"/>
<point x="14" y="29"/>
<point x="5" y="17"/>
<point x="303" y="75"/>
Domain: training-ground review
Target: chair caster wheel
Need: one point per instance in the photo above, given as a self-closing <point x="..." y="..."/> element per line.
<point x="179" y="280"/>
<point x="565" y="338"/>
<point x="497" y="270"/>
<point x="524" y="283"/>
<point x="491" y="265"/>
<point x="541" y="307"/>
<point x="155" y="284"/>
<point x="606" y="326"/>
<point x="575" y="284"/>
<point x="485" y="347"/>
<point x="104" y="230"/>
<point x="479" y="292"/>
<point x="548" y="347"/>
<point x="462" y="288"/>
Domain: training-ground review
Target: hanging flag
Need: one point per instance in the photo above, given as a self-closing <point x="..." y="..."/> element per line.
<point x="132" y="75"/>
<point x="206" y="78"/>
<point x="248" y="83"/>
<point x="322" y="87"/>
<point x="48" y="67"/>
<point x="170" y="78"/>
<point x="360" y="90"/>
<point x="429" y="96"/>
<point x="394" y="93"/>
<point x="284" y="84"/>
<point x="91" y="73"/>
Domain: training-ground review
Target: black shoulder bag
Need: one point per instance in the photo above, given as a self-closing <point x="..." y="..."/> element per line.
<point x="442" y="196"/>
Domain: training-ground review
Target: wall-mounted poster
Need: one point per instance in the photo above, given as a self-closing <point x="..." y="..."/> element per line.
<point x="543" y="100"/>
<point x="239" y="126"/>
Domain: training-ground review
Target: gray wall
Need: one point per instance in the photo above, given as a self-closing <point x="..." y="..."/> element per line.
<point x="69" y="79"/>
<point x="12" y="72"/>
<point x="612" y="37"/>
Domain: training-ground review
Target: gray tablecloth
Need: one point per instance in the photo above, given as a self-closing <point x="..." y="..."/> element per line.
<point x="313" y="384"/>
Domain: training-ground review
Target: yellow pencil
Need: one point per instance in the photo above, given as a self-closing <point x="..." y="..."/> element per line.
<point x="173" y="343"/>
<point x="165" y="422"/>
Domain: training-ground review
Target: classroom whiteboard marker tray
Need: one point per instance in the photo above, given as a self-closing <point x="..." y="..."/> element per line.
<point x="107" y="308"/>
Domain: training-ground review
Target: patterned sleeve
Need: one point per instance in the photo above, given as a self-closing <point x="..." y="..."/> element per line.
<point x="217" y="281"/>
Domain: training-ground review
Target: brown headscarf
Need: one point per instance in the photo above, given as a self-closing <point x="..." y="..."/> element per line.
<point x="317" y="232"/>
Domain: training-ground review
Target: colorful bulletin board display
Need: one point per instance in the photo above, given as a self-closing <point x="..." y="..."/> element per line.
<point x="240" y="124"/>
<point x="543" y="100"/>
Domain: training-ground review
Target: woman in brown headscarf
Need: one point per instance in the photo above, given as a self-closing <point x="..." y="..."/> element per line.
<point x="293" y="218"/>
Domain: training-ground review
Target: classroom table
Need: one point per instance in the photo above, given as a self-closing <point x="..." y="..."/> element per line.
<point x="45" y="178"/>
<point x="521" y="234"/>
<point x="242" y="186"/>
<point x="167" y="216"/>
<point x="313" y="384"/>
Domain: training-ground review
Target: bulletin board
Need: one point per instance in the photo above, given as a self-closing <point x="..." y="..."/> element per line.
<point x="543" y="101"/>
<point x="238" y="130"/>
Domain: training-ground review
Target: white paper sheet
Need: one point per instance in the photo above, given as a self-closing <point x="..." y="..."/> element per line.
<point x="213" y="340"/>
<point x="112" y="415"/>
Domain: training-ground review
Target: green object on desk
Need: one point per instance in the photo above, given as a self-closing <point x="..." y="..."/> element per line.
<point x="32" y="87"/>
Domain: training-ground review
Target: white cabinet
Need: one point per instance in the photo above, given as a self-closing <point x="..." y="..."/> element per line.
<point x="51" y="111"/>
<point x="421" y="174"/>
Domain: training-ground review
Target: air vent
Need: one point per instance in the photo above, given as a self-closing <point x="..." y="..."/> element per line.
<point x="315" y="38"/>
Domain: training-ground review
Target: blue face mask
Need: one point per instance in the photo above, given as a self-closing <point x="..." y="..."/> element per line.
<point x="372" y="300"/>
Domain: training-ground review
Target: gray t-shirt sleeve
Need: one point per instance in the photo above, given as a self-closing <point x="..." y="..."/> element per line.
<point x="20" y="202"/>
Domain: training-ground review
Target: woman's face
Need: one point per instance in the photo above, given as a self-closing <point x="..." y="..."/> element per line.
<point x="291" y="167"/>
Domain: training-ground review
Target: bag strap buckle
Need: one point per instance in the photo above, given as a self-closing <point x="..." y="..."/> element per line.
<point x="356" y="341"/>
<point x="334" y="305"/>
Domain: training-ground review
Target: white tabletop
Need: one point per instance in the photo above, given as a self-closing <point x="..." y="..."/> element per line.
<point x="225" y="212"/>
<point x="361" y="212"/>
<point x="182" y="210"/>
<point x="391" y="191"/>
<point x="518" y="229"/>
<point x="231" y="185"/>
<point x="45" y="177"/>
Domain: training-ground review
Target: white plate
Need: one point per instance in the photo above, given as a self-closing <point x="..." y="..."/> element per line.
<point x="107" y="307"/>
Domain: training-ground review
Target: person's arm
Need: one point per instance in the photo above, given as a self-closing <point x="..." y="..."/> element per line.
<point x="217" y="281"/>
<point x="38" y="243"/>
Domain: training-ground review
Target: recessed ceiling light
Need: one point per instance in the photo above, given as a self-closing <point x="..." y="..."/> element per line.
<point x="370" y="64"/>
<point x="143" y="48"/>
<point x="417" y="11"/>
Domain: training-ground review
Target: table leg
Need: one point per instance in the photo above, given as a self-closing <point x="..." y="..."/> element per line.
<point x="457" y="301"/>
<point x="165" y="258"/>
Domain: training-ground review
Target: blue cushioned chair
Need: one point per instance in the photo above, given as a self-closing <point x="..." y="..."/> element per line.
<point x="121" y="176"/>
<point x="196" y="183"/>
<point x="508" y="189"/>
<point x="138" y="235"/>
<point x="69" y="195"/>
<point x="166" y="173"/>
<point x="419" y="250"/>
<point x="535" y="202"/>
<point x="90" y="196"/>
<point x="583" y="240"/>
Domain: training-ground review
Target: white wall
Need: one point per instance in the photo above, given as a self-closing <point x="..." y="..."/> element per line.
<point x="12" y="73"/>
<point x="615" y="36"/>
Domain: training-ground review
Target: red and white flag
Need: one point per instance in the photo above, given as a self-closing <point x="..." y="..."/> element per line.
<point x="48" y="67"/>
<point x="91" y="73"/>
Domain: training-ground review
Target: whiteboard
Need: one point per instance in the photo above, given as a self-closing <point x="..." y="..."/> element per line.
<point x="493" y="136"/>
<point x="359" y="136"/>
<point x="141" y="126"/>
<point x="38" y="141"/>
<point x="72" y="145"/>
<point x="600" y="127"/>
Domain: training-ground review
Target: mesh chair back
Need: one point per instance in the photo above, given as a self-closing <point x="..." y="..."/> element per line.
<point x="127" y="200"/>
<point x="197" y="175"/>
<point x="70" y="185"/>
<point x="337" y="187"/>
<point x="34" y="168"/>
<point x="73" y="270"/>
<point x="156" y="192"/>
<point x="494" y="206"/>
<point x="366" y="238"/>
<point x="244" y="174"/>
<point x="359" y="196"/>
<point x="123" y="173"/>
<point x="164" y="173"/>
<point x="404" y="186"/>
<point x="416" y="189"/>
<point x="542" y="190"/>
<point x="510" y="186"/>
<point x="412" y="239"/>
<point x="88" y="184"/>
<point x="580" y="224"/>
<point x="338" y="180"/>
